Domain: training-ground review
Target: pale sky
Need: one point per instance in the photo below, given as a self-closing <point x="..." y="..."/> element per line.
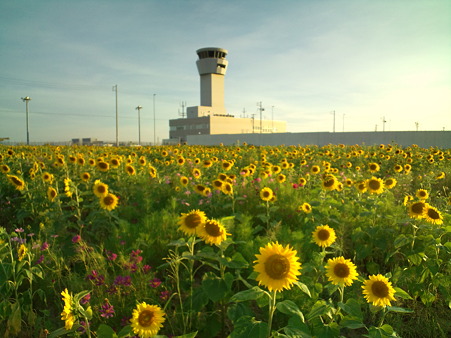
<point x="365" y="60"/>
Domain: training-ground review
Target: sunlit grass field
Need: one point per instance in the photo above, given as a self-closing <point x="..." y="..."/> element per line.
<point x="227" y="241"/>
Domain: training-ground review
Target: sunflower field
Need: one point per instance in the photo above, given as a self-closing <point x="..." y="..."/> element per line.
<point x="225" y="241"/>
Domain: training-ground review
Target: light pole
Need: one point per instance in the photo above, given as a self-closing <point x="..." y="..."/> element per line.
<point x="154" y="136"/>
<point x="139" y="124"/>
<point x="26" y="99"/>
<point x="117" y="122"/>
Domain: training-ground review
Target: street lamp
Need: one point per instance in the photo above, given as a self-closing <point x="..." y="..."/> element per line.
<point x="139" y="124"/>
<point x="26" y="99"/>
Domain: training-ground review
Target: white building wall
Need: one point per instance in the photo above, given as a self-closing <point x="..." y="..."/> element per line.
<point x="424" y="139"/>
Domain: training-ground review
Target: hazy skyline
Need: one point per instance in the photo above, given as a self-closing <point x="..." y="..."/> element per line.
<point x="365" y="60"/>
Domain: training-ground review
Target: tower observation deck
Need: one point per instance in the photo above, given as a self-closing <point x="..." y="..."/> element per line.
<point x="212" y="67"/>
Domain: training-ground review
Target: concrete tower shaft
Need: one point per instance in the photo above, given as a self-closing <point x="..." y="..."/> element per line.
<point x="212" y="67"/>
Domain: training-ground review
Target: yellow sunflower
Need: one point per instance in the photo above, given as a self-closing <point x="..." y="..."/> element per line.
<point x="109" y="202"/>
<point x="390" y="183"/>
<point x="21" y="252"/>
<point x="373" y="167"/>
<point x="281" y="178"/>
<point x="17" y="182"/>
<point x="217" y="184"/>
<point x="47" y="177"/>
<point x="196" y="173"/>
<point x="416" y="209"/>
<point x="103" y="166"/>
<point x="378" y="290"/>
<point x="130" y="170"/>
<point x="227" y="188"/>
<point x="4" y="168"/>
<point x="330" y="183"/>
<point x="305" y="207"/>
<point x="361" y="186"/>
<point x="422" y="194"/>
<point x="212" y="232"/>
<point x="51" y="193"/>
<point x="432" y="215"/>
<point x="85" y="176"/>
<point x="266" y="194"/>
<point x="199" y="188"/>
<point x="190" y="222"/>
<point x="375" y="185"/>
<point x="100" y="189"/>
<point x="68" y="187"/>
<point x="115" y="162"/>
<point x="67" y="314"/>
<point x="440" y="176"/>
<point x="184" y="180"/>
<point x="315" y="169"/>
<point x="341" y="271"/>
<point x="277" y="267"/>
<point x="302" y="181"/>
<point x="324" y="235"/>
<point x="147" y="320"/>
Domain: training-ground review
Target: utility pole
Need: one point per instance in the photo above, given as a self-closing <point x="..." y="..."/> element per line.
<point x="383" y="123"/>
<point x="253" y="123"/>
<point x="26" y="99"/>
<point x="117" y="119"/>
<point x="139" y="124"/>
<point x="259" y="104"/>
<point x="154" y="135"/>
<point x="334" y="120"/>
<point x="417" y="124"/>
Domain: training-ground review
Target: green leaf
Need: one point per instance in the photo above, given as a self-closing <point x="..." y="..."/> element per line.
<point x="237" y="310"/>
<point x="289" y="307"/>
<point x="105" y="331"/>
<point x="401" y="240"/>
<point x="15" y="320"/>
<point x="214" y="287"/>
<point x="351" y="323"/>
<point x="125" y="332"/>
<point x="304" y="288"/>
<point x="352" y="308"/>
<point x="401" y="293"/>
<point x="398" y="309"/>
<point x="251" y="294"/>
<point x="318" y="309"/>
<point x="248" y="327"/>
<point x="188" y="335"/>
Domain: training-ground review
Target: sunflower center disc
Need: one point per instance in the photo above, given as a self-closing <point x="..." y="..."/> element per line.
<point x="145" y="318"/>
<point x="433" y="214"/>
<point x="108" y="200"/>
<point x="417" y="208"/>
<point x="341" y="270"/>
<point x="101" y="189"/>
<point x="323" y="235"/>
<point x="213" y="229"/>
<point x="329" y="182"/>
<point x="277" y="266"/>
<point x="374" y="185"/>
<point x="380" y="289"/>
<point x="192" y="221"/>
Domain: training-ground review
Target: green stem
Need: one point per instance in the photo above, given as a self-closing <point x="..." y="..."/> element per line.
<point x="342" y="292"/>
<point x="272" y="309"/>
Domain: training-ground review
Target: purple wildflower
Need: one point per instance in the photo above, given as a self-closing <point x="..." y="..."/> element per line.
<point x="106" y="310"/>
<point x="156" y="282"/>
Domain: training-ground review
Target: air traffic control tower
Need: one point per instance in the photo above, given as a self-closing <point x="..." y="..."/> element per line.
<point x="212" y="67"/>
